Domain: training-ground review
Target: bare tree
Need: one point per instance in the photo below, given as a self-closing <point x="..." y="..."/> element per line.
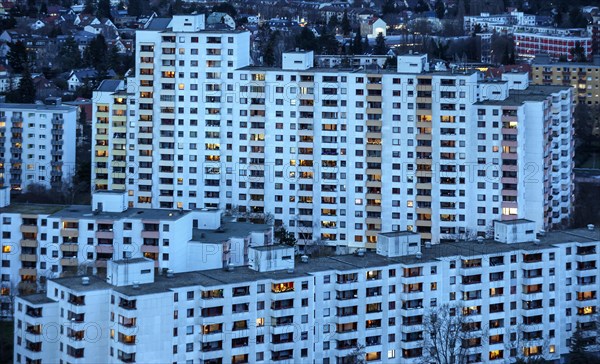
<point x="489" y="231"/>
<point x="318" y="248"/>
<point x="466" y="235"/>
<point x="8" y="299"/>
<point x="448" y="334"/>
<point x="517" y="344"/>
<point x="357" y="356"/>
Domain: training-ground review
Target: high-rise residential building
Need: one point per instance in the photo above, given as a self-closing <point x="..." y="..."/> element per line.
<point x="37" y="144"/>
<point x="511" y="297"/>
<point x="583" y="77"/>
<point x="335" y="155"/>
<point x="40" y="242"/>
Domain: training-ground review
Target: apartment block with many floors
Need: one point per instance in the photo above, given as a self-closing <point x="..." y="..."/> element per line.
<point x="404" y="149"/>
<point x="38" y="145"/>
<point x="519" y="296"/>
<point x="40" y="242"/>
<point x="583" y="77"/>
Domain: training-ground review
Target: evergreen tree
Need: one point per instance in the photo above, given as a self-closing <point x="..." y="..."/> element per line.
<point x="578" y="348"/>
<point x="558" y="18"/>
<point x="134" y="7"/>
<point x="577" y="18"/>
<point x="389" y="7"/>
<point x="380" y="47"/>
<point x="332" y="23"/>
<point x="225" y="8"/>
<point x="94" y="54"/>
<point x="89" y="7"/>
<point x="69" y="56"/>
<point x="269" y="52"/>
<point x="284" y="237"/>
<point x="17" y="56"/>
<point x="114" y="59"/>
<point x="578" y="53"/>
<point x="357" y="47"/>
<point x="366" y="46"/>
<point x="44" y="8"/>
<point x="103" y="11"/>
<point x="26" y="90"/>
<point x="440" y="9"/>
<point x="346" y="23"/>
<point x="460" y="11"/>
<point x="391" y="63"/>
<point x="8" y="23"/>
<point x="306" y="40"/>
<point x="328" y="43"/>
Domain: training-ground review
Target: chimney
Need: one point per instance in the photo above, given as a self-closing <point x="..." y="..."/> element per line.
<point x="85" y="281"/>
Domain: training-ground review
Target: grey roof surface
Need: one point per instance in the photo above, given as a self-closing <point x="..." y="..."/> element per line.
<point x="158" y="24"/>
<point x="272" y="247"/>
<point x="131" y="261"/>
<point x="79" y="211"/>
<point x="109" y="85"/>
<point x="516" y="222"/>
<point x="362" y="70"/>
<point x="37" y="299"/>
<point x="41" y="107"/>
<point x="33" y="209"/>
<point x="342" y="263"/>
<point x="75" y="283"/>
<point x="532" y="93"/>
<point x="227" y="230"/>
<point x="398" y="233"/>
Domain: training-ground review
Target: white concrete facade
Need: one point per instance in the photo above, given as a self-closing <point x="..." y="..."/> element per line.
<point x="37" y="144"/>
<point x="40" y="242"/>
<point x="520" y="300"/>
<point x="404" y="149"/>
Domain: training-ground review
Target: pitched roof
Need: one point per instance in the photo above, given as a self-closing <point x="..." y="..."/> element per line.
<point x="109" y="85"/>
<point x="158" y="24"/>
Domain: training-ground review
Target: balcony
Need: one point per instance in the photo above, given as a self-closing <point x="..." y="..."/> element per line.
<point x="69" y="262"/>
<point x="33" y="312"/>
<point x="29" y="243"/>
<point x="127" y="304"/>
<point x="28" y="258"/>
<point x="34" y="329"/>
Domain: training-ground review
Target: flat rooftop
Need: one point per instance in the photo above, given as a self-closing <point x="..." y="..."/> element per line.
<point x="76" y="283"/>
<point x="531" y="93"/>
<point x="360" y="70"/>
<point x="37" y="299"/>
<point x="131" y="261"/>
<point x="272" y="247"/>
<point x="227" y="230"/>
<point x="38" y="107"/>
<point x="516" y="222"/>
<point x="342" y="263"/>
<point x="32" y="208"/>
<point x="392" y="234"/>
<point x="85" y="211"/>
